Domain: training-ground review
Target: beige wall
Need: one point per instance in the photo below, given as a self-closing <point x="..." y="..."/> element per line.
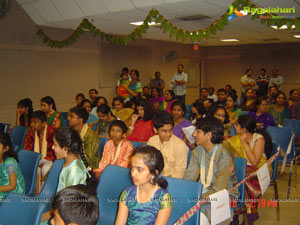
<point x="30" y="69"/>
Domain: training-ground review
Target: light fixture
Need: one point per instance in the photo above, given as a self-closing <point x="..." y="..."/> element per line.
<point x="297" y="35"/>
<point x="229" y="40"/>
<point x="138" y="23"/>
<point x="283" y="27"/>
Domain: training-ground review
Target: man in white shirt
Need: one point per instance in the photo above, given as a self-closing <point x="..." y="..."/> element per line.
<point x="247" y="82"/>
<point x="179" y="81"/>
<point x="173" y="149"/>
<point x="276" y="80"/>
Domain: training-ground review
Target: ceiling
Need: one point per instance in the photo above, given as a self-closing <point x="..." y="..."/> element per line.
<point x="113" y="16"/>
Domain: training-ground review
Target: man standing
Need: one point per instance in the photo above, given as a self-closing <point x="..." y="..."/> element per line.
<point x="276" y="80"/>
<point x="158" y="83"/>
<point x="262" y="82"/>
<point x="247" y="82"/>
<point x="179" y="81"/>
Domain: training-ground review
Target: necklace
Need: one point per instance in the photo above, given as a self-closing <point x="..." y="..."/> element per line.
<point x="137" y="193"/>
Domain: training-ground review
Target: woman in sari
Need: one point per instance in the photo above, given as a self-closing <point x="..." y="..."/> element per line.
<point x="250" y="143"/>
<point x="135" y="86"/>
<point x="279" y="110"/>
<point x="168" y="102"/>
<point x="54" y="118"/>
<point x="231" y="107"/>
<point x="248" y="103"/>
<point x="141" y="126"/>
<point x="119" y="111"/>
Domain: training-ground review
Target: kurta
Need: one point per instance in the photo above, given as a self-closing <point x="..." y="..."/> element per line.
<point x="90" y="148"/>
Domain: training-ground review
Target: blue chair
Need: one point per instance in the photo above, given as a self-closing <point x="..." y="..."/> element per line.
<point x="184" y="192"/>
<point x="294" y="125"/>
<point x="103" y="141"/>
<point x="65" y="118"/>
<point x="113" y="181"/>
<point x="240" y="173"/>
<point x="232" y="130"/>
<point x="49" y="190"/>
<point x="29" y="162"/>
<point x="20" y="209"/>
<point x="137" y="144"/>
<point x="17" y="135"/>
<point x="6" y="127"/>
<point x="188" y="113"/>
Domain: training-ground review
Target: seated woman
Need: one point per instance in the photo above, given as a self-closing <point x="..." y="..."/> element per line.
<point x="198" y="111"/>
<point x="248" y="103"/>
<point x="168" y="102"/>
<point x="119" y="111"/>
<point x="87" y="104"/>
<point x="105" y="119"/>
<point x="231" y="107"/>
<point x="24" y="110"/>
<point x="279" y="111"/>
<point x="155" y="99"/>
<point x="219" y="112"/>
<point x="135" y="86"/>
<point x="254" y="145"/>
<point x="141" y="127"/>
<point x="294" y="97"/>
<point x="54" y="118"/>
<point x="117" y="151"/>
<point x="99" y="101"/>
<point x="263" y="119"/>
<point x="79" y="98"/>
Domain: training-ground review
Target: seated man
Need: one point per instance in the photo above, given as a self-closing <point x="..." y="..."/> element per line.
<point x="75" y="205"/>
<point x="173" y="149"/>
<point x="39" y="139"/>
<point x="77" y="118"/>
<point x="211" y="164"/>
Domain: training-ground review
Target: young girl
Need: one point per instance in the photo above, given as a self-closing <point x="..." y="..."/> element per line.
<point x="119" y="111"/>
<point x="11" y="177"/>
<point x="54" y="118"/>
<point x="24" y="110"/>
<point x="99" y="101"/>
<point x="147" y="202"/>
<point x="87" y="104"/>
<point x="117" y="151"/>
<point x="141" y="126"/>
<point x="124" y="80"/>
<point x="105" y="119"/>
<point x="79" y="98"/>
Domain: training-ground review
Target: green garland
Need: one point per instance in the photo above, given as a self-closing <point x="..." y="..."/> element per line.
<point x="166" y="26"/>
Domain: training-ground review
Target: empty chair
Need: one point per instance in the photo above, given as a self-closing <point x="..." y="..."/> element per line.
<point x="20" y="209"/>
<point x="113" y="181"/>
<point x="29" y="162"/>
<point x="17" y="135"/>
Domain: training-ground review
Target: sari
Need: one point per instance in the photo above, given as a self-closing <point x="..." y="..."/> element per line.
<point x="143" y="130"/>
<point x="52" y="119"/>
<point x="177" y="130"/>
<point x="124" y="114"/>
<point x="166" y="106"/>
<point x="279" y="116"/>
<point x="135" y="87"/>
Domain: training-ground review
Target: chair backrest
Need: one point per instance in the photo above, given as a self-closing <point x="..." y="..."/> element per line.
<point x="240" y="173"/>
<point x="281" y="136"/>
<point x="185" y="195"/>
<point x="29" y="162"/>
<point x="20" y="209"/>
<point x="17" y="135"/>
<point x="65" y="118"/>
<point x="103" y="141"/>
<point x="188" y="113"/>
<point x="6" y="127"/>
<point x="274" y="163"/>
<point x="137" y="144"/>
<point x="294" y="125"/>
<point x="113" y="181"/>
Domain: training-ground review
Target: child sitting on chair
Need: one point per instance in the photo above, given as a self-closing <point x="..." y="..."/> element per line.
<point x="118" y="150"/>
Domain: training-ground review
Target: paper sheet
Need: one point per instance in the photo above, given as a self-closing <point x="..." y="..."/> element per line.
<point x="263" y="178"/>
<point x="188" y="132"/>
<point x="220" y="209"/>
<point x="288" y="151"/>
<point x="203" y="219"/>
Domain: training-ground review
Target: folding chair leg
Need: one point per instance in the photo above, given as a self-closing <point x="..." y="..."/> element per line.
<point x="276" y="199"/>
<point x="290" y="179"/>
<point x="295" y="179"/>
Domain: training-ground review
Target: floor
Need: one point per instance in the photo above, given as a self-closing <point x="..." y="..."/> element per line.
<point x="290" y="209"/>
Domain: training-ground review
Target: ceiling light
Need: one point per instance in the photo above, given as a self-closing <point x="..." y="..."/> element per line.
<point x="141" y="22"/>
<point x="230" y="40"/>
<point x="283" y="27"/>
<point x="297" y="35"/>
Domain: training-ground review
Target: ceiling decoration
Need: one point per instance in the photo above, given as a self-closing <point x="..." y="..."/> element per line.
<point x="167" y="27"/>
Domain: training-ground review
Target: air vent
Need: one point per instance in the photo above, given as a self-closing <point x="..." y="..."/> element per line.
<point x="271" y="39"/>
<point x="197" y="17"/>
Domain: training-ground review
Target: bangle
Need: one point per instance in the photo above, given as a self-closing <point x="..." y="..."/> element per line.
<point x="131" y="128"/>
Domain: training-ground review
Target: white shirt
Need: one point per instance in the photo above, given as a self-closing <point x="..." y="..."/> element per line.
<point x="179" y="89"/>
<point x="276" y="81"/>
<point x="246" y="79"/>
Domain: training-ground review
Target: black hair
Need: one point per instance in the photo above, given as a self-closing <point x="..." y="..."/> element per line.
<point x="200" y="108"/>
<point x="125" y="69"/>
<point x="77" y="204"/>
<point x="258" y="101"/>
<point x="26" y="103"/>
<point x="5" y="140"/>
<point x="93" y="89"/>
<point x="213" y="125"/>
<point x="81" y="113"/>
<point x="146" y="87"/>
<point x="101" y="97"/>
<point x="273" y="87"/>
<point x="117" y="99"/>
<point x="181" y="105"/>
<point x="118" y="123"/>
<point x="203" y="89"/>
<point x="136" y="72"/>
<point x="247" y="70"/>
<point x="154" y="160"/>
<point x="249" y="123"/>
<point x="39" y="114"/>
<point x="292" y="91"/>
<point x="69" y="138"/>
<point x="234" y="98"/>
<point x="281" y="93"/>
<point x="180" y="65"/>
<point x="80" y="95"/>
<point x="162" y="118"/>
<point x="221" y="90"/>
<point x="263" y="69"/>
<point x="171" y="92"/>
<point x="104" y="109"/>
<point x="157" y="89"/>
<point x="84" y="101"/>
<point x="211" y="88"/>
<point x="148" y="109"/>
<point x="245" y="97"/>
<point x="214" y="108"/>
<point x="50" y="101"/>
<point x="228" y="85"/>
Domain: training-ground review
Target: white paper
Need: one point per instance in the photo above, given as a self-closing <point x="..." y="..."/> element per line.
<point x="203" y="219"/>
<point x="263" y="177"/>
<point x="188" y="132"/>
<point x="220" y="208"/>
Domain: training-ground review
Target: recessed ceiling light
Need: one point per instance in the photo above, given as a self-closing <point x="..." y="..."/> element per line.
<point x="297" y="35"/>
<point x="283" y="27"/>
<point x="141" y="22"/>
<point x="229" y="40"/>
